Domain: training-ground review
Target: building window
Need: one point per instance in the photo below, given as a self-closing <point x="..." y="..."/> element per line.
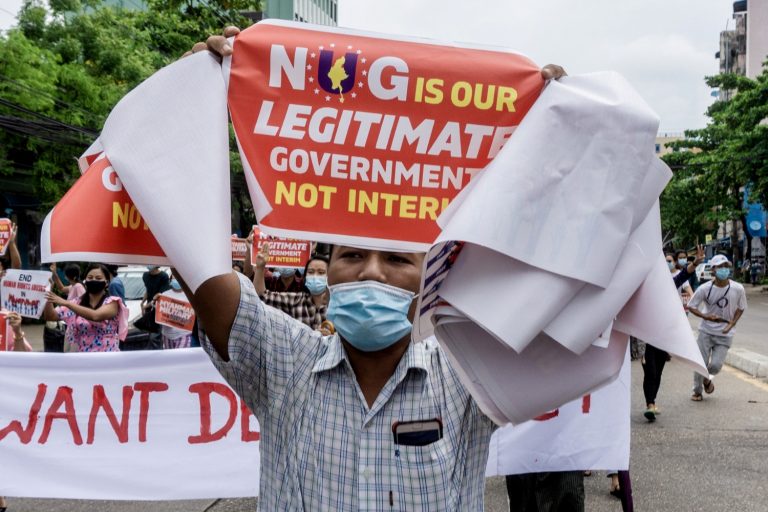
<point x="658" y="148"/>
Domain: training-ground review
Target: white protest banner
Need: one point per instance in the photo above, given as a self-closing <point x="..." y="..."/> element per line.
<point x="5" y="235"/>
<point x="174" y="310"/>
<point x="155" y="425"/>
<point x="23" y="291"/>
<point x="592" y="432"/>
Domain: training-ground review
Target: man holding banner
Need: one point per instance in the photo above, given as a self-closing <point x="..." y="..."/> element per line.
<point x="366" y="420"/>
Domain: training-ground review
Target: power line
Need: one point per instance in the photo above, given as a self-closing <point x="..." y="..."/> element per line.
<point x="85" y="131"/>
<point x="46" y="94"/>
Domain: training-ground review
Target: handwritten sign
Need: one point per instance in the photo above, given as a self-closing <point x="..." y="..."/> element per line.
<point x="153" y="418"/>
<point x="23" y="291"/>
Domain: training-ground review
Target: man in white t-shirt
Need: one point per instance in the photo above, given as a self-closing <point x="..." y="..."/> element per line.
<point x="719" y="303"/>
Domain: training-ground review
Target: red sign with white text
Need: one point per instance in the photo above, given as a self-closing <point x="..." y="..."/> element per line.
<point x="5" y="235"/>
<point x="364" y="138"/>
<point x="239" y="248"/>
<point x="116" y="232"/>
<point x="283" y="252"/>
<point x="174" y="313"/>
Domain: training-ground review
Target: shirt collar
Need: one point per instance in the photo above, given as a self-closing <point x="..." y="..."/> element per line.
<point x="415" y="357"/>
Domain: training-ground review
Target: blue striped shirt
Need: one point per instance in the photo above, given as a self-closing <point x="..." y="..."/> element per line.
<point x="323" y="448"/>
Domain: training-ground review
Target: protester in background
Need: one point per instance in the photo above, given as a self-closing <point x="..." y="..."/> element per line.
<point x="116" y="287"/>
<point x="686" y="290"/>
<point x="283" y="280"/>
<point x="18" y="342"/>
<point x="95" y="323"/>
<point x="173" y="337"/>
<point x="12" y="258"/>
<point x="555" y="491"/>
<point x="720" y="304"/>
<point x="310" y="305"/>
<point x="155" y="282"/>
<point x="754" y="272"/>
<point x="75" y="289"/>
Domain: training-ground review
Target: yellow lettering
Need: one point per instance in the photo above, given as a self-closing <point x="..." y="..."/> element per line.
<point x="307" y="195"/>
<point x="434" y="91"/>
<point x="461" y="94"/>
<point x="284" y="193"/>
<point x="119" y="214"/>
<point x="371" y="203"/>
<point x="506" y="98"/>
<point x="428" y="206"/>
<point x="327" y="193"/>
<point x="408" y="207"/>
<point x="388" y="200"/>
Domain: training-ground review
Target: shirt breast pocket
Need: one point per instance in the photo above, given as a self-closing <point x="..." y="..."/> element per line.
<point x="425" y="477"/>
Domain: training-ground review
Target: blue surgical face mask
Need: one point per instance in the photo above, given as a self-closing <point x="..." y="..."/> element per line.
<point x="671" y="265"/>
<point x="723" y="273"/>
<point x="682" y="262"/>
<point x="316" y="284"/>
<point x="370" y="315"/>
<point x="276" y="272"/>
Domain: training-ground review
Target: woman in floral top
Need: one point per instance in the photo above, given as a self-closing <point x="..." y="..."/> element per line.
<point x="96" y="322"/>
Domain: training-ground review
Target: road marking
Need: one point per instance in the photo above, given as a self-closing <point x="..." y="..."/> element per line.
<point x="746" y="377"/>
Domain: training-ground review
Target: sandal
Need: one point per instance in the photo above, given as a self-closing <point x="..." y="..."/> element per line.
<point x="696" y="397"/>
<point x="709" y="386"/>
<point x="650" y="415"/>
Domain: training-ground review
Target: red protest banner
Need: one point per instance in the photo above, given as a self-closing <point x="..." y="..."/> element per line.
<point x="239" y="248"/>
<point x="372" y="135"/>
<point x="5" y="235"/>
<point x="116" y="232"/>
<point x="283" y="252"/>
<point x="5" y="332"/>
<point x="174" y="312"/>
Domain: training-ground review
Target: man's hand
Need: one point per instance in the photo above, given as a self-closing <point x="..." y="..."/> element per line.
<point x="217" y="45"/>
<point x="14" y="232"/>
<point x="553" y="72"/>
<point x="728" y="327"/>
<point x="262" y="257"/>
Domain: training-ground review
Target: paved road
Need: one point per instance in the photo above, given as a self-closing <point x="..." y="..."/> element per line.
<point x="708" y="456"/>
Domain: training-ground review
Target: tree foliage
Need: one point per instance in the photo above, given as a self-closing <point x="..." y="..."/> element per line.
<point x="713" y="164"/>
<point x="65" y="65"/>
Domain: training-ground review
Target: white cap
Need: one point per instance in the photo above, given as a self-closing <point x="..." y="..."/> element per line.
<point x="718" y="259"/>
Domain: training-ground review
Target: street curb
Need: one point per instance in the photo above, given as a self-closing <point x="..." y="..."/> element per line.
<point x="747" y="361"/>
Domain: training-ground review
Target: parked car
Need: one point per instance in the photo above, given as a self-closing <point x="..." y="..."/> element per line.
<point x="704" y="272"/>
<point x="134" y="293"/>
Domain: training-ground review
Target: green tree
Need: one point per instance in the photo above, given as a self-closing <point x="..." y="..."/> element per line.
<point x="65" y="66"/>
<point x="713" y="164"/>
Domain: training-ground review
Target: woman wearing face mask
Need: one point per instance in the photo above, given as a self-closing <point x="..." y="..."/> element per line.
<point x="309" y="305"/>
<point x="96" y="322"/>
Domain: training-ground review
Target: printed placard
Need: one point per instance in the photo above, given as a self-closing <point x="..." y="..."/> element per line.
<point x="116" y="234"/>
<point x="239" y="248"/>
<point x="174" y="312"/>
<point x="372" y="135"/>
<point x="5" y="235"/>
<point x="283" y="252"/>
<point x="23" y="291"/>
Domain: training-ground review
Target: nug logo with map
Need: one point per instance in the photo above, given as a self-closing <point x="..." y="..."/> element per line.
<point x="336" y="73"/>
